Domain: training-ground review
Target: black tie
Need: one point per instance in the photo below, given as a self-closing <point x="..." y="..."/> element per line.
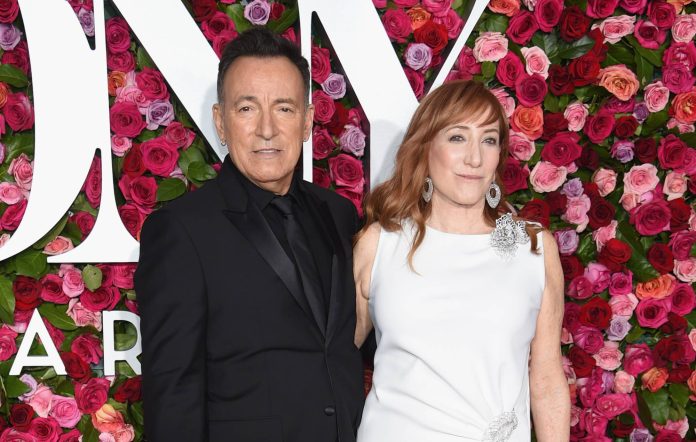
<point x="303" y="258"/>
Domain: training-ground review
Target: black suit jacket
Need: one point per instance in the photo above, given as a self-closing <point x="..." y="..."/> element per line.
<point x="231" y="348"/>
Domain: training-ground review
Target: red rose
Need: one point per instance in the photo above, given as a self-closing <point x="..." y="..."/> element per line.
<point x="92" y="186"/>
<point x="126" y="119"/>
<point x="416" y="80"/>
<point x="601" y="8"/>
<point x="621" y="429"/>
<point x="18" y="112"/>
<point x="76" y="367"/>
<point x="52" y="289"/>
<point x="203" y="9"/>
<point x="599" y="126"/>
<point x="141" y="190"/>
<point x="646" y="150"/>
<point x="132" y="218"/>
<point x="107" y="274"/>
<point x="625" y="126"/>
<point x="159" y="157"/>
<point x="219" y="24"/>
<point x="321" y="64"/>
<point x="554" y="122"/>
<point x="21" y="416"/>
<point x="277" y="10"/>
<point x="121" y="61"/>
<point x="133" y="162"/>
<point x="614" y="254"/>
<point x="548" y="14"/>
<point x="322" y="143"/>
<point x="91" y="395"/>
<point x="681" y="244"/>
<point x="584" y="70"/>
<point x="87" y="347"/>
<point x="103" y="298"/>
<point x="536" y="210"/>
<point x="572" y="267"/>
<point x="397" y="24"/>
<point x="45" y="429"/>
<point x="321" y="178"/>
<point x="601" y="213"/>
<point x="324" y="107"/>
<point x="12" y="216"/>
<point x="522" y="27"/>
<point x="574" y="24"/>
<point x="117" y="35"/>
<point x="151" y="82"/>
<point x="18" y="57"/>
<point x="571" y="313"/>
<point x="557" y="202"/>
<point x="679" y="374"/>
<point x="562" y="150"/>
<point x="660" y="257"/>
<point x="583" y="363"/>
<point x="27" y="292"/>
<point x="73" y="435"/>
<point x="129" y="391"/>
<point x="220" y="41"/>
<point x="339" y="120"/>
<point x="675" y="325"/>
<point x="671" y="152"/>
<point x="560" y="81"/>
<point x="661" y="13"/>
<point x="509" y="69"/>
<point x="676" y="349"/>
<point x="680" y="213"/>
<point x="9" y="9"/>
<point x="530" y="89"/>
<point x="514" y="176"/>
<point x="432" y="34"/>
<point x="347" y="171"/>
<point x="596" y="313"/>
<point x="178" y="135"/>
<point x="651" y="218"/>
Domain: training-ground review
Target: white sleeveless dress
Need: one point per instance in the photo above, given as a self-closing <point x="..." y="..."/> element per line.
<point x="453" y="339"/>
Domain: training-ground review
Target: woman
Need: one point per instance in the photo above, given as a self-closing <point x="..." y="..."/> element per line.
<point x="467" y="316"/>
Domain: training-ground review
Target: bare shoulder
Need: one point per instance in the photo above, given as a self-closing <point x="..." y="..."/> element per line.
<point x="552" y="262"/>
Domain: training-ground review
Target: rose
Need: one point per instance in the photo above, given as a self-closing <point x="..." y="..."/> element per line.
<point x="528" y="120"/>
<point x="437" y="7"/>
<point x="684" y="28"/>
<point x="88" y="348"/>
<point x="671" y="152"/>
<point x="21" y="416"/>
<point x="547" y="177"/>
<point x="159" y="156"/>
<point x="324" y="107"/>
<point x="415" y="79"/>
<point x="91" y="395"/>
<point x="662" y="14"/>
<point x="509" y="69"/>
<point x="633" y="6"/>
<point x="560" y="81"/>
<point x="641" y="179"/>
<point x="347" y="171"/>
<point x="8" y="346"/>
<point x="490" y="46"/>
<point x="126" y="120"/>
<point x="596" y="313"/>
<point x="668" y="436"/>
<point x="576" y="211"/>
<point x="530" y="89"/>
<point x="75" y="367"/>
<point x="567" y="240"/>
<point x="615" y="28"/>
<point x="646" y="149"/>
<point x="612" y="405"/>
<point x="648" y="35"/>
<point x="64" y="410"/>
<point x="22" y="170"/>
<point x="12" y="216"/>
<point x="321" y="64"/>
<point x="103" y="298"/>
<point x="322" y="143"/>
<point x="219" y="23"/>
<point x="637" y="359"/>
<point x="599" y="276"/>
<point x="625" y="126"/>
<point x="579" y="288"/>
<point x="657" y="288"/>
<point x="121" y="62"/>
<point x="684" y="106"/>
<point x="520" y="147"/>
<point x="129" y="391"/>
<point x="123" y="275"/>
<point x="683" y="299"/>
<point x="40" y="401"/>
<point x="434" y="35"/>
<point x="685" y="270"/>
<point x="506" y="7"/>
<point x="120" y="145"/>
<point x="52" y="290"/>
<point x="582" y="362"/>
<point x="257" y="12"/>
<point x="334" y="86"/>
<point x="562" y="150"/>
<point x="159" y="113"/>
<point x="396" y="23"/>
<point x="603" y="234"/>
<point x="352" y="140"/>
<point x="514" y="176"/>
<point x="651" y="218"/>
<point x="576" y="114"/>
<point x="660" y="257"/>
<point x="18" y="112"/>
<point x="9" y="36"/>
<point x="9" y="10"/>
<point x="677" y="78"/>
<point x="418" y="56"/>
<point x="599" y="126"/>
<point x="151" y="83"/>
<point x="117" y="35"/>
<point x="522" y="27"/>
<point x="618" y="328"/>
<point x="536" y="210"/>
<point x="656" y="96"/>
<point x="675" y="325"/>
<point x="652" y="313"/>
<point x="548" y="14"/>
<point x="18" y="57"/>
<point x="675" y="349"/>
<point x="654" y="379"/>
<point x="27" y="292"/>
<point x="573" y="23"/>
<point x="588" y="338"/>
<point x="623" y="382"/>
<point x="321" y="178"/>
<point x="82" y="317"/>
<point x="601" y="213"/>
<point x="605" y="179"/>
<point x="681" y="244"/>
<point x="614" y="254"/>
<point x="141" y="190"/>
<point x="619" y="80"/>
<point x="59" y="245"/>
<point x="601" y="8"/>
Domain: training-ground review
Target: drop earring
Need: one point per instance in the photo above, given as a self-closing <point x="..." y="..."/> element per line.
<point x="428" y="190"/>
<point x="493" y="199"/>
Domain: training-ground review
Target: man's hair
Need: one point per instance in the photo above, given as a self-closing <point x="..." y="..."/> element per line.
<point x="262" y="43"/>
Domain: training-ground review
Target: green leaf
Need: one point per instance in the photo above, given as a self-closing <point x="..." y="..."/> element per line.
<point x="691" y="318"/>
<point x="289" y="16"/>
<point x="653" y="57"/>
<point x="57" y="316"/>
<point x="13" y="76"/>
<point x="14" y="387"/>
<point x="635" y="334"/>
<point x="136" y="412"/>
<point x="170" y="188"/>
<point x="658" y="404"/>
<point x="622" y="54"/>
<point x="576" y="49"/>
<point x="638" y="263"/>
<point x="92" y="276"/>
<point x="644" y="70"/>
<point x="31" y="263"/>
<point x="143" y="59"/>
<point x="587" y="249"/>
<point x="551" y="103"/>
<point x="19" y="144"/>
<point x="7" y="302"/>
<point x="654" y="121"/>
<point x="236" y="13"/>
<point x="548" y="43"/>
<point x="688" y="138"/>
<point x="124" y="341"/>
<point x="200" y="171"/>
<point x="89" y="433"/>
<point x="679" y="394"/>
<point x="52" y="234"/>
<point x="189" y="156"/>
<point x="488" y="69"/>
<point x="495" y="23"/>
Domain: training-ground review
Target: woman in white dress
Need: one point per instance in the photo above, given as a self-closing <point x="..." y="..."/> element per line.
<point x="466" y="301"/>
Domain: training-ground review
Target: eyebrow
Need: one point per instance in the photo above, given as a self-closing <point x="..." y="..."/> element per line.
<point x="254" y="99"/>
<point x="459" y="126"/>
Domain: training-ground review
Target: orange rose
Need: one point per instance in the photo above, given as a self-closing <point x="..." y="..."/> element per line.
<point x="620" y="81"/>
<point x="418" y="17"/>
<point x="107" y="419"/>
<point x="507" y="7"/>
<point x="658" y="288"/>
<point x="692" y="382"/>
<point x="679" y="4"/>
<point x="528" y="120"/>
<point x="4" y="90"/>
<point x="655" y="378"/>
<point x="684" y="107"/>
<point x="116" y="80"/>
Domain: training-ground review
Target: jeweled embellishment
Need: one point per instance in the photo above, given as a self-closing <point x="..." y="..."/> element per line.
<point x="507" y="235"/>
<point x="500" y="429"/>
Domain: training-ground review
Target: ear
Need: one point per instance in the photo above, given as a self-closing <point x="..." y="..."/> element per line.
<point x="308" y="122"/>
<point x="218" y="112"/>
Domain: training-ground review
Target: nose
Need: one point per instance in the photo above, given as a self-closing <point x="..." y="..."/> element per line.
<point x="266" y="126"/>
<point x="472" y="154"/>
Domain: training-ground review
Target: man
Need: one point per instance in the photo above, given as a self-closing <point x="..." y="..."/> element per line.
<point x="245" y="286"/>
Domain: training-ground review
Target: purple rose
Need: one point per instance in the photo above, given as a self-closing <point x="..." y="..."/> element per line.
<point x="2" y="153"/>
<point x="418" y="56"/>
<point x="641" y="112"/>
<point x="641" y="435"/>
<point x="573" y="188"/>
<point x="159" y="113"/>
<point x="567" y="240"/>
<point x="334" y="86"/>
<point x="622" y="150"/>
<point x="9" y="36"/>
<point x="353" y="140"/>
<point x="257" y="12"/>
<point x="86" y="19"/>
<point x="618" y="328"/>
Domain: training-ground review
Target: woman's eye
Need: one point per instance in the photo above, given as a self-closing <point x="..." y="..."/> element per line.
<point x="491" y="141"/>
<point x="456" y="138"/>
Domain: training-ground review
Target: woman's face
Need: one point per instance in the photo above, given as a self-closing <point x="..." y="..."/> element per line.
<point x="463" y="159"/>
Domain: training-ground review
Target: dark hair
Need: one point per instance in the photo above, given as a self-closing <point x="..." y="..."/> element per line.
<point x="263" y="43"/>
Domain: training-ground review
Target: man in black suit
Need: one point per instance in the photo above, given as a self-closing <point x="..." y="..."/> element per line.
<point x="245" y="286"/>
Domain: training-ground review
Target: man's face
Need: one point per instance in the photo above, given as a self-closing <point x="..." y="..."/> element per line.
<point x="263" y="119"/>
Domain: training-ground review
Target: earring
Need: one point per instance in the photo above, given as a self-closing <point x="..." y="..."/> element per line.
<point x="223" y="142"/>
<point x="494" y="199"/>
<point x="428" y="190"/>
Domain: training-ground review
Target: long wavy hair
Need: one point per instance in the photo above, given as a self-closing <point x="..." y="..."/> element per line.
<point x="399" y="198"/>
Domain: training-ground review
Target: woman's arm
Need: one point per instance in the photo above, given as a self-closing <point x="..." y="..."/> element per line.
<point x="363" y="257"/>
<point x="549" y="387"/>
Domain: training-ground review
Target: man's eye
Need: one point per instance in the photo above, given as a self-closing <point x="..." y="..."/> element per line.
<point x="244" y="109"/>
<point x="286" y="109"/>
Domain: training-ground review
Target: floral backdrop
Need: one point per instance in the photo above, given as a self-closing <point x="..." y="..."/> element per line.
<point x="601" y="100"/>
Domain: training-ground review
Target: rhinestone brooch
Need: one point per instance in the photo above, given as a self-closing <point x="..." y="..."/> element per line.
<point x="507" y="235"/>
<point x="500" y="428"/>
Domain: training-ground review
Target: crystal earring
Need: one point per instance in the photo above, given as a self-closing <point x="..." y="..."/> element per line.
<point x="494" y="199"/>
<point x="223" y="142"/>
<point x="428" y="190"/>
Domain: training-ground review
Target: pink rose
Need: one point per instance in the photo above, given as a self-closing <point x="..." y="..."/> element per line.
<point x="123" y="275"/>
<point x="536" y="61"/>
<point x="82" y="316"/>
<point x="684" y="28"/>
<point x="505" y="100"/>
<point x="93" y="183"/>
<point x="675" y="185"/>
<point x="64" y="410"/>
<point x="613" y="404"/>
<point x="40" y="401"/>
<point x="579" y="288"/>
<point x="159" y="157"/>
<point x="352" y="140"/>
<point x="130" y="93"/>
<point x="685" y="269"/>
<point x="347" y="171"/>
<point x="656" y="96"/>
<point x="546" y="177"/>
<point x="599" y="275"/>
<point x="18" y="111"/>
<point x="605" y="179"/>
<point x="576" y="212"/>
<point x="637" y="359"/>
<point x="681" y="243"/>
<point x="73" y="284"/>
<point x="576" y="115"/>
<point x="22" y="169"/>
<point x="452" y="22"/>
<point x="103" y="298"/>
<point x="621" y="283"/>
<point x="10" y="193"/>
<point x="616" y="27"/>
<point x="321" y="63"/>
<point x="324" y="107"/>
<point x="59" y="245"/>
<point x="120" y="145"/>
<point x="641" y="179"/>
<point x="652" y="313"/>
<point x="490" y="46"/>
<point x="437" y="7"/>
<point x="683" y="128"/>
<point x="520" y="146"/>
<point x="623" y="382"/>
<point x="623" y="305"/>
<point x="588" y="338"/>
<point x="601" y="8"/>
<point x="633" y="6"/>
<point x="8" y="345"/>
<point x="609" y="356"/>
<point x="87" y="347"/>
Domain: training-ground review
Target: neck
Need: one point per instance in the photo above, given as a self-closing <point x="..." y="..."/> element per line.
<point x="449" y="216"/>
